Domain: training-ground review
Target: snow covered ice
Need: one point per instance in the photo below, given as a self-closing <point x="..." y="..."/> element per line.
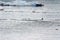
<point x="13" y="28"/>
<point x="16" y="30"/>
